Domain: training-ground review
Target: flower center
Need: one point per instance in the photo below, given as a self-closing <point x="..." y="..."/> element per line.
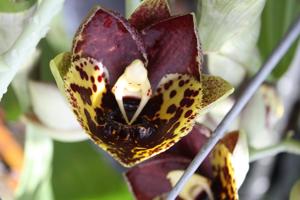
<point x="134" y="83"/>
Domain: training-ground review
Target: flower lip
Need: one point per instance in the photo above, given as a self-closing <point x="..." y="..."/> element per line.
<point x="133" y="82"/>
<point x="141" y="130"/>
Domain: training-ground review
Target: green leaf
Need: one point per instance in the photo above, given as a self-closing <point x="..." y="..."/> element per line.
<point x="80" y="172"/>
<point x="277" y="16"/>
<point x="11" y="105"/>
<point x="15" y="6"/>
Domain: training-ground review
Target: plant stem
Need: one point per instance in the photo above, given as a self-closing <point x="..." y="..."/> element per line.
<point x="25" y="45"/>
<point x="287" y="145"/>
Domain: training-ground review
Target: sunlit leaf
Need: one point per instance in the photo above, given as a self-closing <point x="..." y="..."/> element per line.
<point x="276" y="18"/>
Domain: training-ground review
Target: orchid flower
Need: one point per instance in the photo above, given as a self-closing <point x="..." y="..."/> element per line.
<point x="214" y="179"/>
<point x="135" y="85"/>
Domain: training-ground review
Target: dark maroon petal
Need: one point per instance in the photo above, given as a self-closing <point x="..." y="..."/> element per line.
<point x="149" y="180"/>
<point x="149" y="12"/>
<point x="191" y="144"/>
<point x="230" y="140"/>
<point x="111" y="40"/>
<point x="172" y="47"/>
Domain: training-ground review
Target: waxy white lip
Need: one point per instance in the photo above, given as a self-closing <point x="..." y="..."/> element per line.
<point x="133" y="82"/>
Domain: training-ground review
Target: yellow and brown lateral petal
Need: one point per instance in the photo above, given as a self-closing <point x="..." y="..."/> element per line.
<point x="171" y="112"/>
<point x="224" y="185"/>
<point x="150" y="12"/>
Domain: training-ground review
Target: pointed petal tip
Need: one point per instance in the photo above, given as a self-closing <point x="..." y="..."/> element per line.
<point x="109" y="38"/>
<point x="173" y="47"/>
<point x="215" y="89"/>
<point x="150" y="12"/>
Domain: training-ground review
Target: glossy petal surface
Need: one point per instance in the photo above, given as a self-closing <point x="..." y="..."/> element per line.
<point x="172" y="47"/>
<point x="108" y="38"/>
<point x="150" y="12"/>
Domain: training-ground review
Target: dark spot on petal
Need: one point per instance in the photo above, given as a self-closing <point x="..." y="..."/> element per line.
<point x="172" y="93"/>
<point x="186" y="102"/>
<point x="188" y="113"/>
<point x="171" y="109"/>
<point x="188" y="93"/>
<point x="96" y="68"/>
<point x="92" y="79"/>
<point x="85" y="93"/>
<point x="168" y="84"/>
<point x="181" y="83"/>
<point x="94" y="87"/>
<point x="99" y="79"/>
<point x="82" y="73"/>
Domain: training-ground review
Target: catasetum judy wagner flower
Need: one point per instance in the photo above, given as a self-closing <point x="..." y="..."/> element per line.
<point x="135" y="86"/>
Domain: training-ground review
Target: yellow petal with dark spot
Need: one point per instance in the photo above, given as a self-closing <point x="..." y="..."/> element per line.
<point x="224" y="185"/>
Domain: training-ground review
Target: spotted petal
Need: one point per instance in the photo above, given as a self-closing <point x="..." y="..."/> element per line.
<point x="172" y="47"/>
<point x="172" y="111"/>
<point x="150" y="12"/>
<point x="224" y="184"/>
<point x="108" y="38"/>
<point x="215" y="89"/>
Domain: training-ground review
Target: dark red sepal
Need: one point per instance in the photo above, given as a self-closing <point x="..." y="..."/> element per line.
<point x="149" y="180"/>
<point x="109" y="38"/>
<point x="150" y="12"/>
<point x="172" y="47"/>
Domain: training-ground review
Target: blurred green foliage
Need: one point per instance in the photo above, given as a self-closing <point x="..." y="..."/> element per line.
<point x="277" y="16"/>
<point x="11" y="105"/>
<point x="15" y="6"/>
<point x="80" y="172"/>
